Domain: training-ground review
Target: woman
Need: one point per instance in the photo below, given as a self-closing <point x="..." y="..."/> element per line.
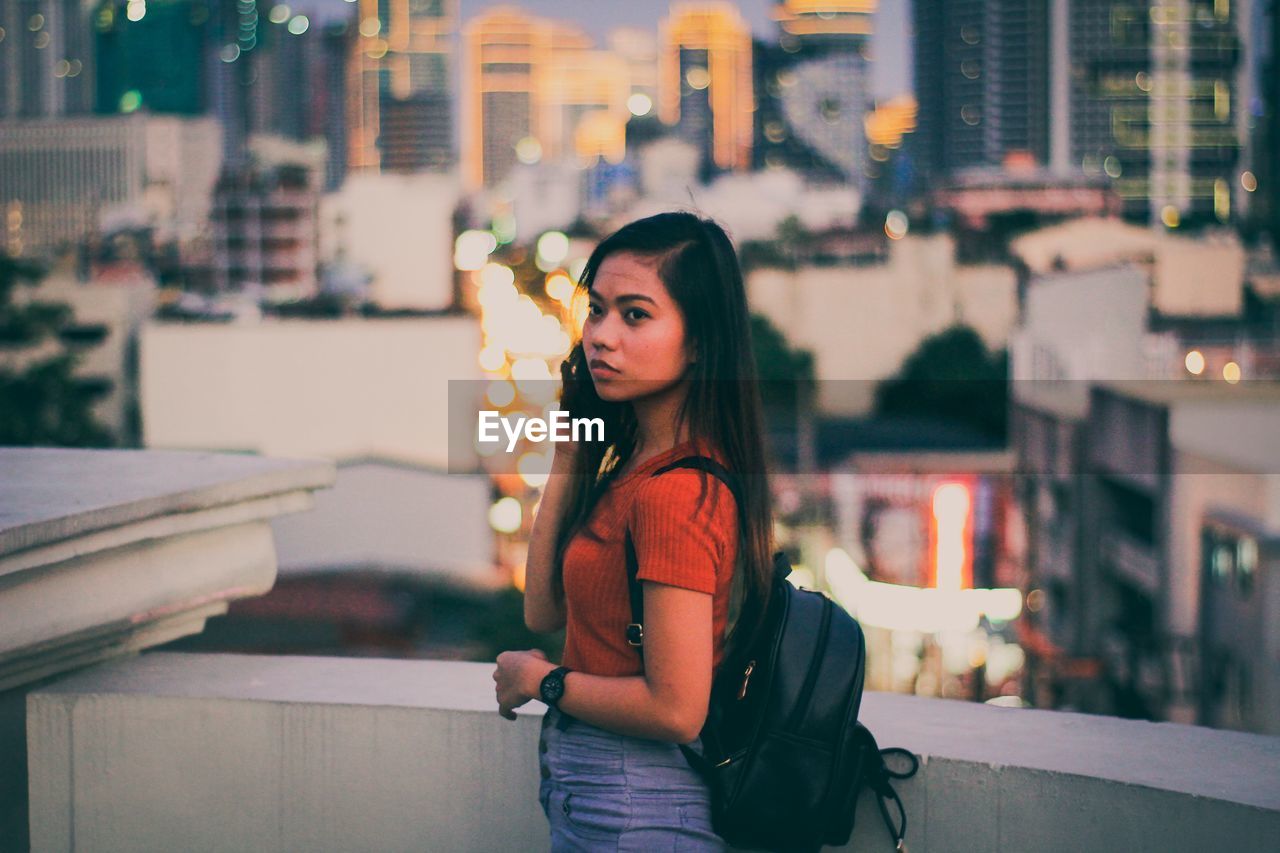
<point x="665" y="359"/>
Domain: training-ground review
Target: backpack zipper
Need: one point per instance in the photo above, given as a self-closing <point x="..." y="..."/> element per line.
<point x="811" y="678"/>
<point x="746" y="676"/>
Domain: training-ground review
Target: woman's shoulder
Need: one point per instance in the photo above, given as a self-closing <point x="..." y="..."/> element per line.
<point x="689" y="493"/>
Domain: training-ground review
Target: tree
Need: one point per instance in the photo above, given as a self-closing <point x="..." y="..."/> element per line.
<point x="786" y="374"/>
<point x="42" y="401"/>
<point x="951" y="377"/>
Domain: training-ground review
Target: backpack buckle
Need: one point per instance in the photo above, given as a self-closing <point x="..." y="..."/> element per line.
<point x="635" y="634"/>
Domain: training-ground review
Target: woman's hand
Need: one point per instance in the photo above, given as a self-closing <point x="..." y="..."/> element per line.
<point x="518" y="678"/>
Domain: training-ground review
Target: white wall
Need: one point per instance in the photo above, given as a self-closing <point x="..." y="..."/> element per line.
<point x="861" y="322"/>
<point x="396" y="517"/>
<point x="1079" y="326"/>
<point x="1227" y="458"/>
<point x="399" y="228"/>
<point x="336" y="389"/>
<point x="257" y="752"/>
<point x="184" y="157"/>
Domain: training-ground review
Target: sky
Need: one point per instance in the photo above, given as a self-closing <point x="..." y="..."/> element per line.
<point x="891" y="72"/>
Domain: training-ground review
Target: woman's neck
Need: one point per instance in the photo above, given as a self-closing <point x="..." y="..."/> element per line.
<point x="657" y="429"/>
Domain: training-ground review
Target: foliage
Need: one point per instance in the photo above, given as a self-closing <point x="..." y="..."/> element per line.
<point x="786" y="374"/>
<point x="42" y="401"/>
<point x="951" y="377"/>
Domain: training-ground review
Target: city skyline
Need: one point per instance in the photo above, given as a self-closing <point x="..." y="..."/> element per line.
<point x="890" y="73"/>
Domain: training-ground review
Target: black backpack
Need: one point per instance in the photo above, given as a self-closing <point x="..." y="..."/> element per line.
<point x="783" y="751"/>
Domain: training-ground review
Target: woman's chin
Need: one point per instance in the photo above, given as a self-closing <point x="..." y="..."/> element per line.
<point x="614" y="391"/>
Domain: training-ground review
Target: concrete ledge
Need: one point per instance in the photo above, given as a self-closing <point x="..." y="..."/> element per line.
<point x="104" y="552"/>
<point x="228" y="752"/>
<point x="52" y="494"/>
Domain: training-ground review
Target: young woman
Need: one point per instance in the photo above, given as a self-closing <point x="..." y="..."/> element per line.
<point x="665" y="359"/>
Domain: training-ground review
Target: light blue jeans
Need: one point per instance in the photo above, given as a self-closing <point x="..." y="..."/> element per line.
<point x="606" y="791"/>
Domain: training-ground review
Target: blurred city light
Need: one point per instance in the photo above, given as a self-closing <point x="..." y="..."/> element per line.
<point x="1231" y="372"/>
<point x="472" y="249"/>
<point x="506" y="514"/>
<point x="492" y="358"/>
<point x="533" y="469"/>
<point x="553" y="247"/>
<point x="640" y="104"/>
<point x="528" y="150"/>
<point x="895" y="225"/>
<point x="1195" y="362"/>
<point x="501" y="393"/>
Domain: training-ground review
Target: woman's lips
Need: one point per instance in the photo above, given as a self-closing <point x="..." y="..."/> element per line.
<point x="602" y="368"/>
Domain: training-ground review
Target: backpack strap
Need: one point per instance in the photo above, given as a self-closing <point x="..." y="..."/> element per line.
<point x="878" y="778"/>
<point x="635" y="630"/>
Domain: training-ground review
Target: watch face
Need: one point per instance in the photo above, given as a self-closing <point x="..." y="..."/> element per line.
<point x="553" y="688"/>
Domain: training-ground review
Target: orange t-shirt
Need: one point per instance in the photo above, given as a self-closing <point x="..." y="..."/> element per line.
<point x="682" y="538"/>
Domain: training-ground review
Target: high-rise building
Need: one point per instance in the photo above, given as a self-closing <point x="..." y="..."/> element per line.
<point x="813" y="89"/>
<point x="639" y="49"/>
<point x="268" y="70"/>
<point x="538" y="91"/>
<point x="1153" y="104"/>
<point x="503" y="49"/>
<point x="705" y="82"/>
<point x="62" y="180"/>
<point x="337" y="40"/>
<point x="149" y="55"/>
<point x="582" y="102"/>
<point x="982" y="74"/>
<point x="776" y="143"/>
<point x="399" y="104"/>
<point x="1267" y="161"/>
<point x="265" y="227"/>
<point x="46" y="58"/>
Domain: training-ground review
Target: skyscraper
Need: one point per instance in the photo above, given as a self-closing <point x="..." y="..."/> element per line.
<point x="149" y="55"/>
<point x="1153" y="104"/>
<point x="503" y="48"/>
<point x="46" y="58"/>
<point x="399" y="103"/>
<point x="705" y="82"/>
<point x="1266" y="159"/>
<point x="336" y="43"/>
<point x="537" y="90"/>
<point x="982" y="81"/>
<point x="813" y="90"/>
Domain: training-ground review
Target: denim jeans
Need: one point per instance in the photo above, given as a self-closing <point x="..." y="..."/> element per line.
<point x="606" y="791"/>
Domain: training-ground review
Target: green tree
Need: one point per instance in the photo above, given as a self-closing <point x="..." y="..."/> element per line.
<point x="42" y="401"/>
<point x="953" y="378"/>
<point x="786" y="374"/>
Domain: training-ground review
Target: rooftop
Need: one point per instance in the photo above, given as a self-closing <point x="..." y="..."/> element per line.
<point x="110" y="553"/>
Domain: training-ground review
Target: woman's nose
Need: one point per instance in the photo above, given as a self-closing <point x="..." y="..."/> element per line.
<point x="601" y="335"/>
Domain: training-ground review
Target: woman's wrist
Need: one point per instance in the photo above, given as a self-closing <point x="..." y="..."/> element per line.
<point x="534" y="671"/>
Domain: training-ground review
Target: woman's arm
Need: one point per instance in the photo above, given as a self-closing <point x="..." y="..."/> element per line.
<point x="669" y="702"/>
<point x="542" y="613"/>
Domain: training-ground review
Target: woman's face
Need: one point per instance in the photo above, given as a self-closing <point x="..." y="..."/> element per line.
<point x="634" y="335"/>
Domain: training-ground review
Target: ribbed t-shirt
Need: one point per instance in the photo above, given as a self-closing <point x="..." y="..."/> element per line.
<point x="684" y="525"/>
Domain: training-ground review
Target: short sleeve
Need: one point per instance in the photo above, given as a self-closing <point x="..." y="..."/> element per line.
<point x="681" y="523"/>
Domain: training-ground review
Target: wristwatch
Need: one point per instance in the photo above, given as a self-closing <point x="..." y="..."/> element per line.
<point x="552" y="687"/>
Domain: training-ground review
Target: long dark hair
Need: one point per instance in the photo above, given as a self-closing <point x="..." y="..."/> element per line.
<point x="696" y="262"/>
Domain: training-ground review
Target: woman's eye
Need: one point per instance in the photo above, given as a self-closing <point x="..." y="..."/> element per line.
<point x="635" y="314"/>
<point x="593" y="310"/>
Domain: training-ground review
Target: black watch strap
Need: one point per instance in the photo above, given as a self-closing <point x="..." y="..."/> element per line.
<point x="552" y="686"/>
